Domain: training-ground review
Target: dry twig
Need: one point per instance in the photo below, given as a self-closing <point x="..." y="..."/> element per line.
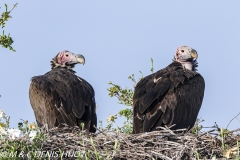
<point x="164" y="144"/>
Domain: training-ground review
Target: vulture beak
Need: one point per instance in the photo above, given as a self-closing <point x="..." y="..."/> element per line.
<point x="194" y="54"/>
<point x="80" y="59"/>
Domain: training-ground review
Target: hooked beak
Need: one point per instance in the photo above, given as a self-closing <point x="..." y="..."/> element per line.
<point x="80" y="58"/>
<point x="194" y="54"/>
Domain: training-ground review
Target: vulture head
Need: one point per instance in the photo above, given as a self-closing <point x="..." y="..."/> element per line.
<point x="67" y="59"/>
<point x="187" y="57"/>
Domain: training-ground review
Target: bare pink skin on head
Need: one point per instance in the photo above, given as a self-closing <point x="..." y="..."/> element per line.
<point x="67" y="59"/>
<point x="64" y="57"/>
<point x="183" y="55"/>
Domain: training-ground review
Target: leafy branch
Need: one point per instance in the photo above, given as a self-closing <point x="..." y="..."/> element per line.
<point x="6" y="40"/>
<point x="125" y="97"/>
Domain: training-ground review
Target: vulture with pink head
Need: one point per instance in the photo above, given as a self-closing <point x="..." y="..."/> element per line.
<point x="171" y="96"/>
<point x="59" y="96"/>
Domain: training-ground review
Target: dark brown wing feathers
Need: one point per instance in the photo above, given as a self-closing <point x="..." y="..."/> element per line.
<point x="60" y="96"/>
<point x="170" y="96"/>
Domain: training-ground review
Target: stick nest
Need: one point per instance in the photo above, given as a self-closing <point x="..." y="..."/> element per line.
<point x="163" y="144"/>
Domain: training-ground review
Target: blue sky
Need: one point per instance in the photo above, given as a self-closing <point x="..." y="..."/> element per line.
<point x="118" y="38"/>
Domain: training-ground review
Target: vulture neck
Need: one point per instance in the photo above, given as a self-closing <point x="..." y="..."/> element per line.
<point x="59" y="66"/>
<point x="187" y="65"/>
<point x="65" y="68"/>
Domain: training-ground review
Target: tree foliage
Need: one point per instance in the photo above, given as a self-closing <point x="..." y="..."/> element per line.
<point x="6" y="40"/>
<point x="125" y="97"/>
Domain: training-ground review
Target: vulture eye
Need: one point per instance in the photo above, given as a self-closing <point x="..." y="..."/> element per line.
<point x="182" y="50"/>
<point x="66" y="55"/>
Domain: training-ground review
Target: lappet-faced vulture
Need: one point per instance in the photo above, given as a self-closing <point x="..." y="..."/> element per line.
<point x="171" y="96"/>
<point x="59" y="96"/>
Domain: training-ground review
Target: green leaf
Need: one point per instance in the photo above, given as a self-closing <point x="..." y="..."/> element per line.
<point x="125" y="97"/>
<point x="5" y="6"/>
<point x="6" y="41"/>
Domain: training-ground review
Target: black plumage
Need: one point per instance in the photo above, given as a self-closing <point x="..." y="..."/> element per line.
<point x="172" y="95"/>
<point x="59" y="96"/>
